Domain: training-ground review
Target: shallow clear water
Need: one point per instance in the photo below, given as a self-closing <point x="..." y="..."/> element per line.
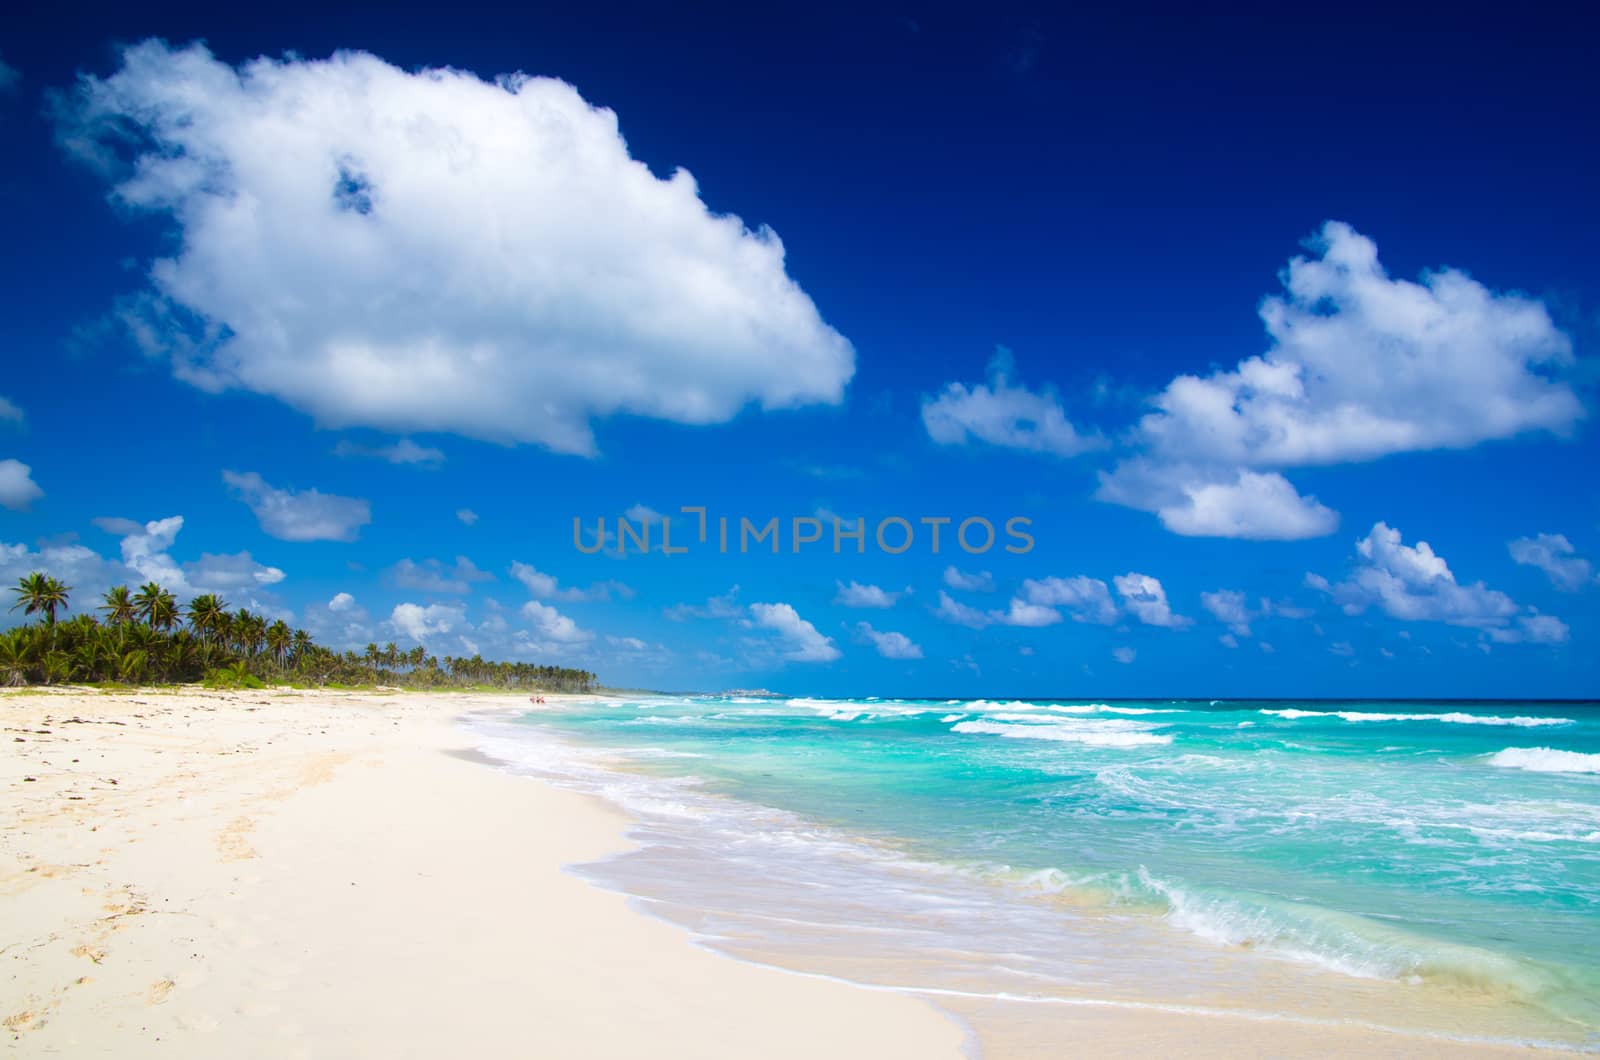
<point x="1073" y="847"/>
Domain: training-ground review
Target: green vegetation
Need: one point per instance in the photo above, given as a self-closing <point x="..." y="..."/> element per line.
<point x="147" y="637"/>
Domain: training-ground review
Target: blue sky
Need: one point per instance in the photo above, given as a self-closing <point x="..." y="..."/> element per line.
<point x="1237" y="313"/>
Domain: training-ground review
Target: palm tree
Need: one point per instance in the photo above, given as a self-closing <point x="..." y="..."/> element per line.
<point x="118" y="606"/>
<point x="251" y="630"/>
<point x="41" y="592"/>
<point x="205" y="613"/>
<point x="278" y="639"/>
<point x="16" y="656"/>
<point x="156" y="606"/>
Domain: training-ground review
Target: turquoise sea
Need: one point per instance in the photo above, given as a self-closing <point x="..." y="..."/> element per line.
<point x="1426" y="865"/>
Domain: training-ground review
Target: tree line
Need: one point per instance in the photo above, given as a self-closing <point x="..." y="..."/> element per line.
<point x="147" y="637"/>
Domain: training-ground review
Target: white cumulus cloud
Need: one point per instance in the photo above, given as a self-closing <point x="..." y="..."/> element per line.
<point x="418" y="622"/>
<point x="430" y="251"/>
<point x="550" y="624"/>
<point x="798" y="639"/>
<point x="1413" y="583"/>
<point x="1361" y="365"/>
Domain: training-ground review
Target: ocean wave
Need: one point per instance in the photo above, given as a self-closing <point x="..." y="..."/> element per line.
<point x="1453" y="718"/>
<point x="1545" y="760"/>
<point x="1344" y="942"/>
<point x="1096" y="736"/>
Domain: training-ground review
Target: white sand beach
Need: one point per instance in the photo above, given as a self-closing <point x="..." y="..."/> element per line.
<point x="327" y="874"/>
<point x="312" y="875"/>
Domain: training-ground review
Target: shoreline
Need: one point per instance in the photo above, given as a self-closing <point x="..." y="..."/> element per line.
<point x="284" y="871"/>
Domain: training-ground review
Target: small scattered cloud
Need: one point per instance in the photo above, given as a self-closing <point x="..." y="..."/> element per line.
<point x="1087" y="599"/>
<point x="857" y="595"/>
<point x="952" y="610"/>
<point x="405" y="451"/>
<point x="18" y="491"/>
<point x="798" y="639"/>
<point x="9" y="412"/>
<point x="725" y="606"/>
<point x="1146" y="600"/>
<point x="309" y="515"/>
<point x="433" y="576"/>
<point x="969" y="582"/>
<point x="341" y="602"/>
<point x="1554" y="554"/>
<point x="1004" y="414"/>
<point x="1232" y="609"/>
<point x="548" y="587"/>
<point x="230" y="573"/>
<point x="467" y="516"/>
<point x="1124" y="655"/>
<point x="889" y="645"/>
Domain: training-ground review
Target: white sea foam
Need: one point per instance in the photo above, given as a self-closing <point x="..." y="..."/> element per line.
<point x="1106" y="708"/>
<point x="1101" y="735"/>
<point x="1545" y="760"/>
<point x="1454" y="717"/>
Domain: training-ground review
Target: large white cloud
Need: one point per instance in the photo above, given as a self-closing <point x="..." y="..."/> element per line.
<point x="1413" y="583"/>
<point x="1361" y="366"/>
<point x="308" y="515"/>
<point x="430" y="251"/>
<point x="1005" y="414"/>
